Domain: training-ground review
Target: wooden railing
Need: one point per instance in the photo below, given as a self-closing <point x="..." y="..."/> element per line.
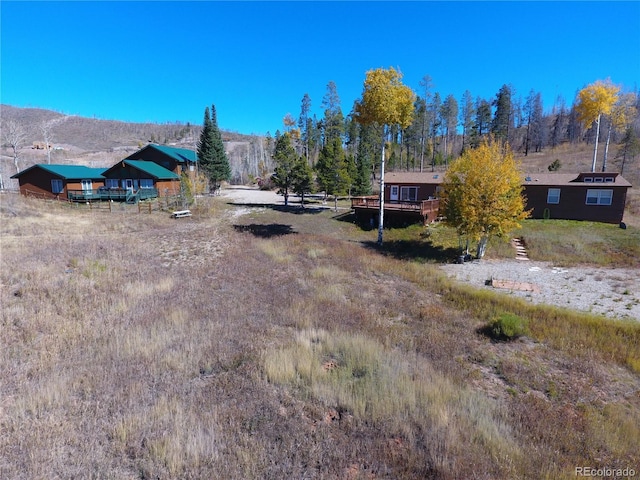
<point x="120" y="194"/>
<point x="425" y="207"/>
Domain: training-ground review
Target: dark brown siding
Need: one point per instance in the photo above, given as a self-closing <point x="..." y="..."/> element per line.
<point x="573" y="205"/>
<point x="425" y="190"/>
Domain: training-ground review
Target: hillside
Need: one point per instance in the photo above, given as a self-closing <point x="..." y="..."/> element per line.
<point x="100" y="143"/>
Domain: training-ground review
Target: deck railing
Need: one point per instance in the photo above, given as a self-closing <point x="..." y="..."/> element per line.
<point x="424" y="207"/>
<point x="119" y="194"/>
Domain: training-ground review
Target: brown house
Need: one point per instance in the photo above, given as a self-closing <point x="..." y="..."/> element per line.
<point x="142" y="178"/>
<point x="598" y="197"/>
<point x="409" y="197"/>
<point x="413" y="197"/>
<point x="60" y="181"/>
<point x="177" y="160"/>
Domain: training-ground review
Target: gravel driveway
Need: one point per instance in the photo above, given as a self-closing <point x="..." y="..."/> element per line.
<point x="614" y="293"/>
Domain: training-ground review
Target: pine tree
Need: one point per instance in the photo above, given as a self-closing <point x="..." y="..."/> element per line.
<point x="333" y="170"/>
<point x="301" y="178"/>
<point x="219" y="169"/>
<point x="284" y="157"/>
<point x="502" y="121"/>
<point x="205" y="145"/>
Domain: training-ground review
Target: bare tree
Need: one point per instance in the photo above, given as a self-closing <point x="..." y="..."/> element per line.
<point x="47" y="135"/>
<point x="14" y="136"/>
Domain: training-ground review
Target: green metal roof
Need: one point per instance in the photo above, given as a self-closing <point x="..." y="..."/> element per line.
<point x="152" y="169"/>
<point x="68" y="172"/>
<point x="180" y="155"/>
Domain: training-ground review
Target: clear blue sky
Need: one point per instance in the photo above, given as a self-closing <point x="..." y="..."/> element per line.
<point x="166" y="61"/>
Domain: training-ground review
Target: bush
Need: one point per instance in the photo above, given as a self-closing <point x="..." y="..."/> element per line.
<point x="507" y="326"/>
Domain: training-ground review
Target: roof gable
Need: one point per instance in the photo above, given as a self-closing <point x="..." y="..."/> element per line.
<point x="67" y="172"/>
<point x="180" y="155"/>
<point x="149" y="168"/>
<point x="575" y="179"/>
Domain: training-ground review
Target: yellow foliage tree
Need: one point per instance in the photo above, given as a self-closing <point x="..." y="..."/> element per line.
<point x="483" y="193"/>
<point x="385" y="102"/>
<point x="594" y="101"/>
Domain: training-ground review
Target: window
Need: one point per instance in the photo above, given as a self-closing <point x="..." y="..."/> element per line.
<point x="588" y="179"/>
<point x="87" y="185"/>
<point x="553" y="195"/>
<point x="56" y="186"/>
<point x="409" y="194"/>
<point x="111" y="183"/>
<point x="146" y="183"/>
<point x="598" y="179"/>
<point x="599" y="197"/>
<point x="608" y="180"/>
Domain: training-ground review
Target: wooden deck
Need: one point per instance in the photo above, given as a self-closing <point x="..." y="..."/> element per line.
<point x="427" y="210"/>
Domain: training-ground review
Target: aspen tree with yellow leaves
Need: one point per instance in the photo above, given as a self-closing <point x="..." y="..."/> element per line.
<point x="385" y="102"/>
<point x="482" y="194"/>
<point x="594" y="101"/>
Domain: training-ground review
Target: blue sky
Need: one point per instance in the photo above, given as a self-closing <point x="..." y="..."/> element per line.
<point x="166" y="61"/>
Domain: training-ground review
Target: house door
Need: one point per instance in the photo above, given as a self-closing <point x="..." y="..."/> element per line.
<point x="127" y="184"/>
<point x="393" y="195"/>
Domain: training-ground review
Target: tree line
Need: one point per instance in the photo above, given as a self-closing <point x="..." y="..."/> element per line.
<point x="342" y="152"/>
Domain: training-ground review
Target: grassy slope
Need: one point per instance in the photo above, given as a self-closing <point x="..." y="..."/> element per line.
<point x="279" y="345"/>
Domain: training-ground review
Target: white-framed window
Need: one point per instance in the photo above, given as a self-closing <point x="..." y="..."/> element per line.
<point x="146" y="183"/>
<point x="588" y="179"/>
<point x="111" y="183"/>
<point x="598" y="179"/>
<point x="553" y="196"/>
<point x="56" y="186"/>
<point x="87" y="185"/>
<point x="608" y="180"/>
<point x="599" y="197"/>
<point x="409" y="194"/>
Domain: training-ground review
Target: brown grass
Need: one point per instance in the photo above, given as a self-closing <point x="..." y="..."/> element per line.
<point x="137" y="346"/>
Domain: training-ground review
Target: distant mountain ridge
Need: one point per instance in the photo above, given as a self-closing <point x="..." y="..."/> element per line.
<point x="93" y="142"/>
<point x="92" y="134"/>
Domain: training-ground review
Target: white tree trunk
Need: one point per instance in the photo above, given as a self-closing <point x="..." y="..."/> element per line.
<point x="482" y="247"/>
<point x="381" y="212"/>
<point x="606" y="148"/>
<point x="595" y="149"/>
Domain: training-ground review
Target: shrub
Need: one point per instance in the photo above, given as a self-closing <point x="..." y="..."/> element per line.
<point x="507" y="326"/>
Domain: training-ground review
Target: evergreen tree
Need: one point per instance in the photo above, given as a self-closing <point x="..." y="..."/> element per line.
<point x="365" y="159"/>
<point x="503" y="119"/>
<point x="285" y="158"/>
<point x="219" y="169"/>
<point x="301" y="178"/>
<point x="205" y="144"/>
<point x="305" y="124"/>
<point x="333" y="170"/>
<point x="466" y="118"/>
<point x="481" y="122"/>
<point x="333" y="117"/>
<point x="211" y="155"/>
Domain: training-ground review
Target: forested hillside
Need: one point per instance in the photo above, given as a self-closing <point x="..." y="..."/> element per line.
<point x="543" y="136"/>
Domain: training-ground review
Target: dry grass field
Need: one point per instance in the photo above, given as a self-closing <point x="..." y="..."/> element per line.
<point x="277" y="344"/>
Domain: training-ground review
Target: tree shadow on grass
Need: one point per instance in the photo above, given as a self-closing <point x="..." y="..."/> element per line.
<point x="265" y="231"/>
<point x="296" y="209"/>
<point x="415" y="250"/>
